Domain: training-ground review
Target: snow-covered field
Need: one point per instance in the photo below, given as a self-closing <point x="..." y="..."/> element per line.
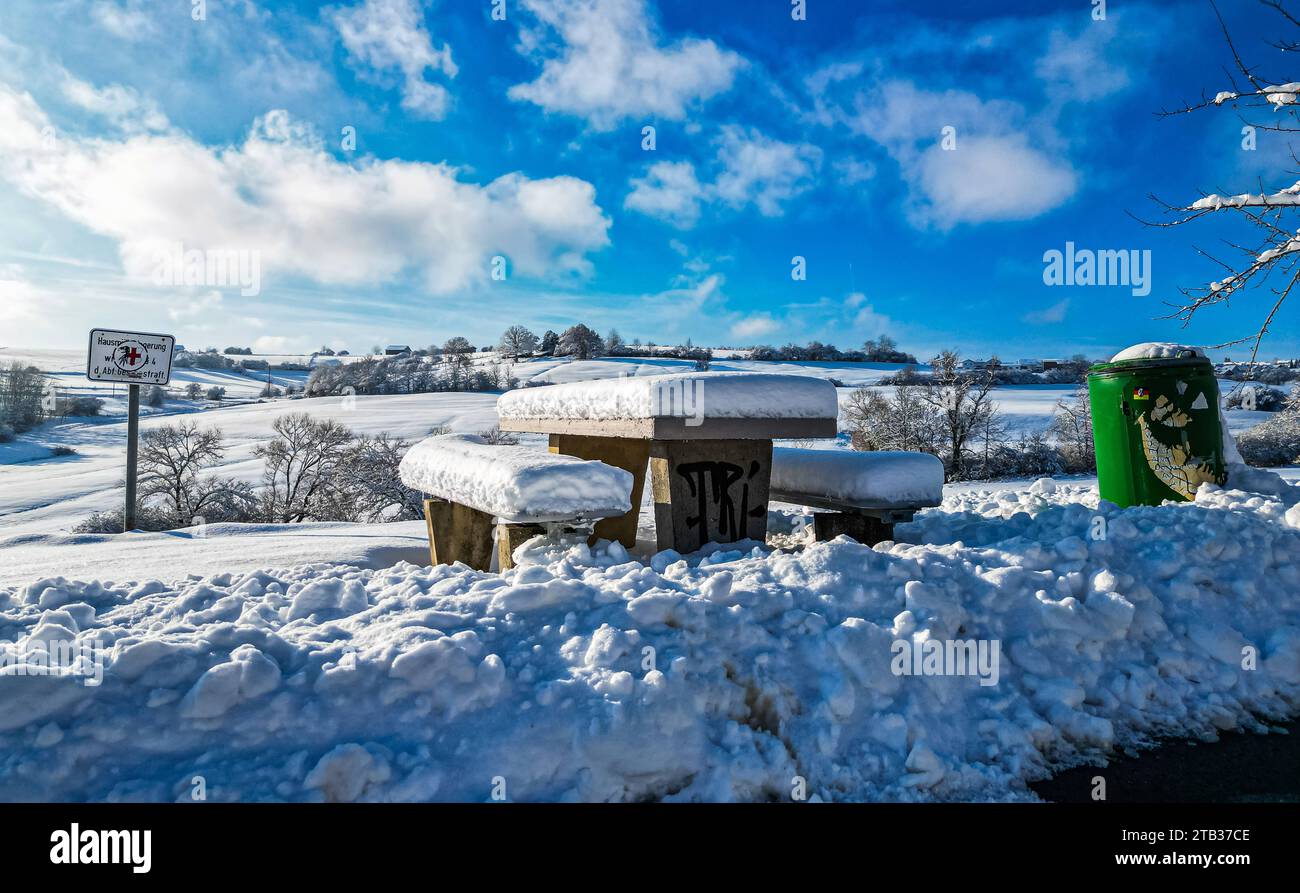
<point x="42" y="494"/>
<point x="329" y="661"/>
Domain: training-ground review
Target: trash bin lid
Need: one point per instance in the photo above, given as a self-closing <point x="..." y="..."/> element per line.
<point x="1152" y="355"/>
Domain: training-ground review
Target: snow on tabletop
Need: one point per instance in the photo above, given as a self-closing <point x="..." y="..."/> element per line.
<point x="883" y="478"/>
<point x="1157" y="350"/>
<point x="333" y="682"/>
<point x="713" y="395"/>
<point x="517" y="483"/>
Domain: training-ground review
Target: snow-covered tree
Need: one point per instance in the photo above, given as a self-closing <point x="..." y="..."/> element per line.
<point x="1272" y="251"/>
<point x="549" y="342"/>
<point x="614" y="343"/>
<point x="580" y="342"/>
<point x="516" y="341"/>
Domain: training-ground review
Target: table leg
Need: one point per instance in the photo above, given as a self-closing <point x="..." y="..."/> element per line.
<point x="710" y="491"/>
<point x="621" y="452"/>
<point x="458" y="533"/>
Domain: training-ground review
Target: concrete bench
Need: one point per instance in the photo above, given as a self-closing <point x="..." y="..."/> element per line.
<point x="705" y="436"/>
<point x="525" y="492"/>
<point x="865" y="494"/>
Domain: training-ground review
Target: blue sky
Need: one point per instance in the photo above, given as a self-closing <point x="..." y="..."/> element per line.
<point x="128" y="126"/>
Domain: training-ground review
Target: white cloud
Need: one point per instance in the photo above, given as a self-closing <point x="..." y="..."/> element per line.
<point x="1078" y="68"/>
<point x="126" y="20"/>
<point x="19" y="299"/>
<point x="610" y="63"/>
<point x="188" y="308"/>
<point x="752" y="169"/>
<point x="1048" y="315"/>
<point x="121" y="105"/>
<point x="306" y="213"/>
<point x="669" y="191"/>
<point x="761" y="171"/>
<point x="755" y="326"/>
<point x="994" y="172"/>
<point x="389" y="35"/>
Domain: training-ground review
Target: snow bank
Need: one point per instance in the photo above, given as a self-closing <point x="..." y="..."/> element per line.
<point x="710" y="395"/>
<point x="517" y="483"/>
<point x="584" y="675"/>
<point x="868" y="479"/>
<point x="1157" y="350"/>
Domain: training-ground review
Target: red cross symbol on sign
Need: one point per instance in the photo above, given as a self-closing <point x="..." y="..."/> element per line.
<point x="132" y="356"/>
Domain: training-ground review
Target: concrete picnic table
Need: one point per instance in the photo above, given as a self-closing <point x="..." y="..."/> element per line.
<point x="706" y="436"/>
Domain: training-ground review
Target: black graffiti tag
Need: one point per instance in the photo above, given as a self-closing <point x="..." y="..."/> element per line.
<point x="711" y="483"/>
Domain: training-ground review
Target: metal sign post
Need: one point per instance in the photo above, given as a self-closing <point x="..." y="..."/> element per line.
<point x="132" y="454"/>
<point x="132" y="358"/>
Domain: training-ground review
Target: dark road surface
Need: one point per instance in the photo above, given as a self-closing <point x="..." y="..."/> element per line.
<point x="1240" y="767"/>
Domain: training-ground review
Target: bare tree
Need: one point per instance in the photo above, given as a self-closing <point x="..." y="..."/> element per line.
<point x="900" y="421"/>
<point x="963" y="402"/>
<point x="1272" y="252"/>
<point x="1072" y="428"/>
<point x="301" y="463"/>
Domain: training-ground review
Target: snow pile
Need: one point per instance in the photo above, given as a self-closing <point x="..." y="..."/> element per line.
<point x="517" y="483"/>
<point x="867" y="479"/>
<point x="711" y="395"/>
<point x="1157" y="350"/>
<point x="585" y="675"/>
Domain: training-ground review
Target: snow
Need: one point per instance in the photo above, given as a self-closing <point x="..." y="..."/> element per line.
<point x="583" y="675"/>
<point x="205" y="551"/>
<point x="867" y="479"/>
<point x="1157" y="350"/>
<point x="516" y="483"/>
<point x="677" y="395"/>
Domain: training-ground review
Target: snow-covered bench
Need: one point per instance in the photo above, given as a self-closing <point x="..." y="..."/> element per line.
<point x="866" y="493"/>
<point x="474" y="484"/>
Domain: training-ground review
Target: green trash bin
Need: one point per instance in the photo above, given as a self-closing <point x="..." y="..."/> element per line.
<point x="1156" y="428"/>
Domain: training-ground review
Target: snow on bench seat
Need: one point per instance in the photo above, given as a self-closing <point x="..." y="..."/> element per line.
<point x="515" y="483"/>
<point x="697" y="404"/>
<point x="843" y="478"/>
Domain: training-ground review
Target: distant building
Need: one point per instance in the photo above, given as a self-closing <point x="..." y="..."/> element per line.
<point x="397" y="350"/>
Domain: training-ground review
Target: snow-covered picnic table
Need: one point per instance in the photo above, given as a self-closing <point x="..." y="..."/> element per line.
<point x="706" y="436"/>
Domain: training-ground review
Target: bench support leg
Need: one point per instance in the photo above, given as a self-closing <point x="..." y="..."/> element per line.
<point x="866" y="529"/>
<point x="458" y="533"/>
<point x="511" y="537"/>
<point x="710" y="491"/>
<point x="621" y="452"/>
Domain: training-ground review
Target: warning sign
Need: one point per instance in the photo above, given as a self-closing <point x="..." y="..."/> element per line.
<point x="130" y="357"/>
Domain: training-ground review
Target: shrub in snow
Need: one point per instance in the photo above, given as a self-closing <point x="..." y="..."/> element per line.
<point x="1273" y="442"/>
<point x="1255" y="396"/>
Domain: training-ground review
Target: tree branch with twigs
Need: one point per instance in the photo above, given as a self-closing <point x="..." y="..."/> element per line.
<point x="1271" y="260"/>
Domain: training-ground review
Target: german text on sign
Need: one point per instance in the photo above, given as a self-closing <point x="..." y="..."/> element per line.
<point x="130" y="357"/>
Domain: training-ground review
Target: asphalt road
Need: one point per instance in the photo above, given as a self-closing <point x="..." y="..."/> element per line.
<point x="1241" y="767"/>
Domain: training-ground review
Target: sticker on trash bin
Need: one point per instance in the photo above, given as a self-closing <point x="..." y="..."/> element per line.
<point x="1141" y="394"/>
